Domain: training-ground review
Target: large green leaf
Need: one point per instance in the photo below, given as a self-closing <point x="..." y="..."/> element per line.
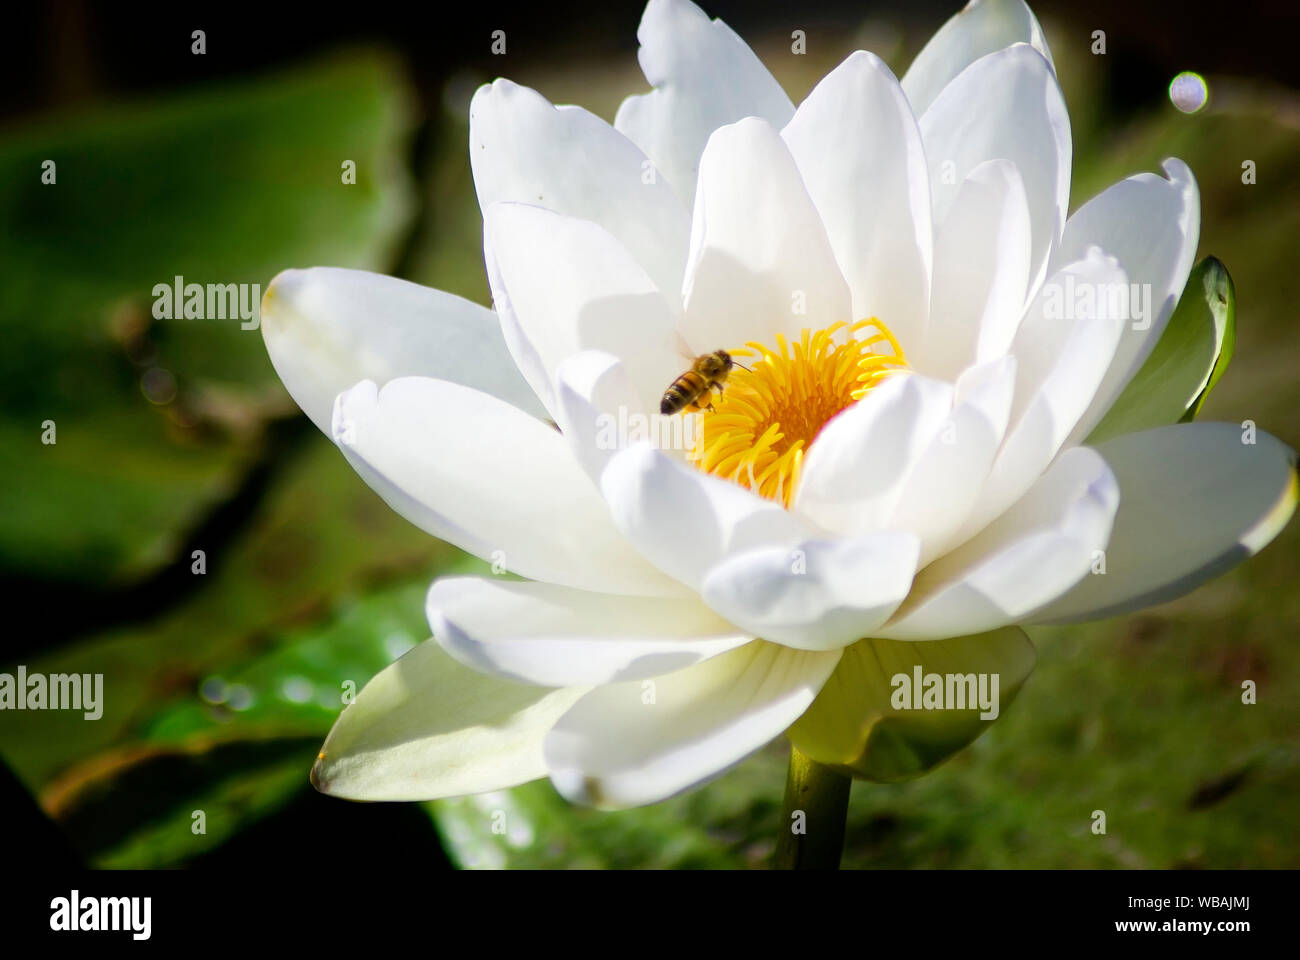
<point x="1186" y="362"/>
<point x="237" y="744"/>
<point x="854" y="724"/>
<point x="298" y="684"/>
<point x="283" y="596"/>
<point x="160" y="805"/>
<point x="158" y="419"/>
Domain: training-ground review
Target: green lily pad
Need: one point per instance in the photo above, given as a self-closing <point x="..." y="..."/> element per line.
<point x="159" y="806"/>
<point x="290" y="595"/>
<point x="238" y="744"/>
<point x="299" y="684"/>
<point x="861" y="724"/>
<point x="157" y="418"/>
<point x="1186" y="362"/>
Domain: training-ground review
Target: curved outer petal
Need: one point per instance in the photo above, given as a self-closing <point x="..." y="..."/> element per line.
<point x="704" y="77"/>
<point x="856" y="469"/>
<point x="1063" y="347"/>
<point x="1195" y="500"/>
<point x="981" y="273"/>
<point x="1005" y="105"/>
<point x="565" y="285"/>
<point x="1028" y="557"/>
<point x="760" y="261"/>
<point x="1151" y="225"/>
<point x="426" y="727"/>
<point x="685" y="521"/>
<point x="327" y="328"/>
<point x="557" y="636"/>
<point x="981" y="27"/>
<point x="859" y="151"/>
<point x="453" y="460"/>
<point x="639" y="742"/>
<point x="522" y="148"/>
<point x="820" y="595"/>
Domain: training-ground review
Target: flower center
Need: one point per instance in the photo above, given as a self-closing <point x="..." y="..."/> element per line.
<point x="769" y="415"/>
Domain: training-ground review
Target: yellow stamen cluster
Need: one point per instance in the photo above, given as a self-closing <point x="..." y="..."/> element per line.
<point x="769" y="415"/>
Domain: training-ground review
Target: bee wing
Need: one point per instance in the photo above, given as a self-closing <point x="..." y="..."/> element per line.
<point x="683" y="351"/>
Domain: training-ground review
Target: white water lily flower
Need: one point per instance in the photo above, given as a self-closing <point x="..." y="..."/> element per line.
<point x="903" y="457"/>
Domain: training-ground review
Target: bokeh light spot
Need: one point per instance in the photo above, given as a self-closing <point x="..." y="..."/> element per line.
<point x="1189" y="92"/>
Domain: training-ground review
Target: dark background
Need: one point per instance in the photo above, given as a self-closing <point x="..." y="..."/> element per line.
<point x="65" y="51"/>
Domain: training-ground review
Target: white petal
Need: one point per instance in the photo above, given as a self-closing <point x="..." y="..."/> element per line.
<point x="760" y="261"/>
<point x="945" y="480"/>
<point x="858" y="149"/>
<point x="981" y="273"/>
<point x="1028" y="557"/>
<point x="855" y="470"/>
<point x="597" y="413"/>
<point x="639" y="742"/>
<point x="1062" y="350"/>
<point x="476" y="472"/>
<point x="1005" y="105"/>
<point x="568" y="160"/>
<point x="326" y="328"/>
<point x="1195" y="500"/>
<point x="426" y="727"/>
<point x="685" y="521"/>
<point x="565" y="285"/>
<point x="1151" y="225"/>
<point x="558" y="637"/>
<point x="981" y="27"/>
<point x="704" y="77"/>
<point x="820" y="595"/>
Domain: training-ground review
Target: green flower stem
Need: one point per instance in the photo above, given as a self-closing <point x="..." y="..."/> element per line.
<point x="814" y="841"/>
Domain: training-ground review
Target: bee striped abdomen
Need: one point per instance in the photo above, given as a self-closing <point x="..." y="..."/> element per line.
<point x="682" y="392"/>
<point x="707" y="373"/>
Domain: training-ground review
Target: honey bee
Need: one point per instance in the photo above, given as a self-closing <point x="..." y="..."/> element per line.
<point x="707" y="373"/>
